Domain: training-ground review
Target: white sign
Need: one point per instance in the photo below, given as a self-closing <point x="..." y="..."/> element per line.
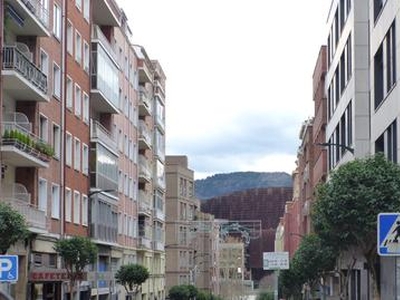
<point x="276" y="260"/>
<point x="8" y="268"/>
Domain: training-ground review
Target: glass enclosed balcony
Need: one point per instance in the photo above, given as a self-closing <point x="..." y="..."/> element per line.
<point x="104" y="81"/>
<point x="23" y="80"/>
<point x="27" y="17"/>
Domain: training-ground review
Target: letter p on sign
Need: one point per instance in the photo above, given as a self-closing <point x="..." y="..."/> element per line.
<point x="8" y="268"/>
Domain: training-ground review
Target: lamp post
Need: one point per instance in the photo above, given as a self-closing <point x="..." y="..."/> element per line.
<point x="350" y="149"/>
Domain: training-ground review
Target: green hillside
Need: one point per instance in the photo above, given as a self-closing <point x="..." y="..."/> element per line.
<point x="221" y="184"/>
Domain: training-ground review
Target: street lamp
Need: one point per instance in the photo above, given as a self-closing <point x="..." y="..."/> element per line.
<point x="351" y="150"/>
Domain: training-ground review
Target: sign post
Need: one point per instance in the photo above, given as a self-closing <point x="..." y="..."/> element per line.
<point x="276" y="261"/>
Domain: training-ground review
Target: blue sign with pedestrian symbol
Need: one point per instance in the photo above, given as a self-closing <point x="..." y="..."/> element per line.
<point x="388" y="234"/>
<point x="8" y="268"/>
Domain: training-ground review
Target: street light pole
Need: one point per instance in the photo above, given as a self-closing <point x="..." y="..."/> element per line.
<point x="351" y="150"/>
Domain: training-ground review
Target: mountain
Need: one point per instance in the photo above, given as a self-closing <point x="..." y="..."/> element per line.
<point x="226" y="183"/>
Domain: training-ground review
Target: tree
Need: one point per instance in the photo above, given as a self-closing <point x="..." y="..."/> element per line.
<point x="345" y="212"/>
<point x="131" y="276"/>
<point x="313" y="259"/>
<point x="179" y="292"/>
<point x="13" y="227"/>
<point x="77" y="252"/>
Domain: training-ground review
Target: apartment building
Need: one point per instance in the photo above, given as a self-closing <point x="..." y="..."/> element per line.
<point x="384" y="19"/>
<point x="76" y="133"/>
<point x="181" y="210"/>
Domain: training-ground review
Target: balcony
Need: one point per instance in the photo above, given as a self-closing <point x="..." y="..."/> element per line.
<point x="144" y="170"/>
<point x="99" y="134"/>
<point x="159" y="215"/>
<point x="27" y="18"/>
<point x="145" y="107"/>
<point x="144" y="136"/>
<point x="145" y="203"/>
<point x="18" y="197"/>
<point x="104" y="81"/>
<point x="21" y="148"/>
<point x="99" y="37"/>
<point x="144" y="243"/>
<point x="159" y="92"/>
<point x="158" y="246"/>
<point x="106" y="12"/>
<point x="23" y="80"/>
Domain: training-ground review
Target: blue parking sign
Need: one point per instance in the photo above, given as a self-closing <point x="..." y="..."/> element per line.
<point x="8" y="268"/>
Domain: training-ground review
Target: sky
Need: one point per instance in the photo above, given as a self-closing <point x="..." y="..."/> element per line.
<point x="239" y="77"/>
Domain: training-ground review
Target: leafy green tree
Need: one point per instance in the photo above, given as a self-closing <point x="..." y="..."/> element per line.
<point x="265" y="295"/>
<point x="314" y="258"/>
<point x="13" y="227"/>
<point x="179" y="292"/>
<point x="76" y="252"/>
<point x="345" y="212"/>
<point x="291" y="282"/>
<point x="131" y="276"/>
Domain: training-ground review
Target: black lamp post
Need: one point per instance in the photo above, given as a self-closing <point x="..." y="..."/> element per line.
<point x="351" y="150"/>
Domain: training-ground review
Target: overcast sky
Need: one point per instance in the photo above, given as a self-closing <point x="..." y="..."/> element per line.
<point x="239" y="77"/>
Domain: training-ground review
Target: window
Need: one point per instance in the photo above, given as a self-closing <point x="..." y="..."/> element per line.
<point x="126" y="185"/>
<point x="55" y="201"/>
<point x="390" y="58"/>
<point x="77" y="207"/>
<point x="387" y="142"/>
<point x="85" y="159"/>
<point x="70" y="90"/>
<point x="86" y="9"/>
<point x="130" y="187"/>
<point x="78" y="47"/>
<point x="68" y="149"/>
<point x="85" y="210"/>
<point x="85" y="108"/>
<point x="77" y="154"/>
<point x="56" y="81"/>
<point x="86" y="56"/>
<point x="78" y="100"/>
<point x="70" y="38"/>
<point x="44" y="128"/>
<point x="44" y="62"/>
<point x="42" y="195"/>
<point x="378" y="77"/>
<point x="57" y="21"/>
<point x="56" y="140"/>
<point x="378" y="5"/>
<point x="68" y="205"/>
<point x="78" y="4"/>
<point x="385" y="67"/>
<point x="120" y="182"/>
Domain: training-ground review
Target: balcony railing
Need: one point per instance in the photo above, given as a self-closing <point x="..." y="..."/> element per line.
<point x="159" y="214"/>
<point x="97" y="34"/>
<point x="144" y="170"/>
<point x="24" y="148"/>
<point x="31" y="17"/>
<point x="144" y="136"/>
<point x="15" y="60"/>
<point x="98" y="131"/>
<point x="18" y="197"/>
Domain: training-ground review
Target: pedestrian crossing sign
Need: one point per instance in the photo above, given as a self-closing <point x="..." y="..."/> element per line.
<point x="388" y="234"/>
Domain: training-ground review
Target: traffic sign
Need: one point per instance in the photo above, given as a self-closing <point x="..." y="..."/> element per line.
<point x="388" y="234"/>
<point x="8" y="268"/>
<point x="276" y="260"/>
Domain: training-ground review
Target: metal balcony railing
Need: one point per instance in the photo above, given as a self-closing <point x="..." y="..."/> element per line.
<point x="39" y="10"/>
<point x="98" y="131"/>
<point x="15" y="60"/>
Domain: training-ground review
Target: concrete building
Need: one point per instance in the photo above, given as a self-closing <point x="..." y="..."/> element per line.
<point x="181" y="212"/>
<point x="83" y="144"/>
